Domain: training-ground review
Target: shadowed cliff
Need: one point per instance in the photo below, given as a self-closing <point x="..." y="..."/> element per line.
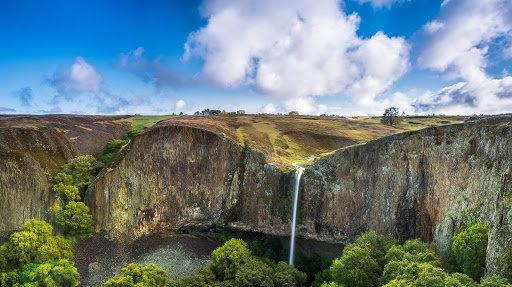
<point x="31" y="150"/>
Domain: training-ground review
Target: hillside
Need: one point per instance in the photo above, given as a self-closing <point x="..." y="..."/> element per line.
<point x="301" y="139"/>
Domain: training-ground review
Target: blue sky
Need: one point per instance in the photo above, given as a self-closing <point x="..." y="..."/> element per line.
<point x="327" y="56"/>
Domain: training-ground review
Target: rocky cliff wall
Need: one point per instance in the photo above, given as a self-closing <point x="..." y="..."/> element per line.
<point x="32" y="148"/>
<point x="423" y="184"/>
<point x="173" y="176"/>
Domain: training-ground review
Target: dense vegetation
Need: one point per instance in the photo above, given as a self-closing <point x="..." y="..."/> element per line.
<point x="69" y="185"/>
<point x="375" y="260"/>
<point x="36" y="256"/>
<point x="232" y="265"/>
<point x="371" y="261"/>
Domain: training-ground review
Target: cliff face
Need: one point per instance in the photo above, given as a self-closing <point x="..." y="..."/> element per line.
<point x="172" y="177"/>
<point x="424" y="184"/>
<point x="421" y="184"/>
<point x="31" y="150"/>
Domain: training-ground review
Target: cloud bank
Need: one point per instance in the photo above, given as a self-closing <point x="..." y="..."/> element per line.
<point x="81" y="82"/>
<point x="296" y="51"/>
<point x="25" y="96"/>
<point x="458" y="44"/>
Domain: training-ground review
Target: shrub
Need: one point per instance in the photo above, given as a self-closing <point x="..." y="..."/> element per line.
<point x="356" y="267"/>
<point x="139" y="275"/>
<point x="63" y="178"/>
<point x="76" y="219"/>
<point x="469" y="249"/>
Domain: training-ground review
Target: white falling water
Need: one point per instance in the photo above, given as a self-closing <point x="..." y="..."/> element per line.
<point x="298" y="174"/>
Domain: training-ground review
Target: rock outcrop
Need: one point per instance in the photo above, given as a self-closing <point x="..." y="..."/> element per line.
<point x="175" y="176"/>
<point x="31" y="150"/>
<point x="418" y="184"/>
<point x="424" y="184"/>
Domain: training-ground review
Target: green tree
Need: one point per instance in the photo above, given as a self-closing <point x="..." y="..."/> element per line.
<point x="390" y="117"/>
<point x="35" y="243"/>
<point x="495" y="281"/>
<point x="288" y="276"/>
<point x="401" y="269"/>
<point x="138" y="275"/>
<point x="66" y="192"/>
<point x="399" y="283"/>
<point x="414" y="250"/>
<point x="469" y="248"/>
<point x="82" y="169"/>
<point x="459" y="280"/>
<point x="227" y="259"/>
<point x="59" y="273"/>
<point x="379" y="245"/>
<point x="63" y="178"/>
<point x="254" y="273"/>
<point x="431" y="276"/>
<point x="8" y="279"/>
<point x="111" y="149"/>
<point x="356" y="267"/>
<point x="76" y="219"/>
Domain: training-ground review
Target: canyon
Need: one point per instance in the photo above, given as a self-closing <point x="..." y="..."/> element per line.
<point x="177" y="174"/>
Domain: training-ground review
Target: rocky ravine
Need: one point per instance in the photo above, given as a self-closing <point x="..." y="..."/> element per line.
<point x="31" y="150"/>
<point x="418" y="184"/>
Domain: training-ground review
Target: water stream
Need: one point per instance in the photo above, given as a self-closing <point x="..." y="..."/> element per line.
<point x="298" y="175"/>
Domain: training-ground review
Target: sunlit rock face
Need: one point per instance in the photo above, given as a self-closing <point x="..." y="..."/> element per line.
<point x="32" y="148"/>
<point x="423" y="184"/>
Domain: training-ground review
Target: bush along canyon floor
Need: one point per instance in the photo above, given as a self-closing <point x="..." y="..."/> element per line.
<point x="213" y="201"/>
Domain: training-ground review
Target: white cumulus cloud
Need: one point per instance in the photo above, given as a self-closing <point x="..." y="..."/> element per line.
<point x="180" y="105"/>
<point x="80" y="77"/>
<point x="296" y="51"/>
<point x="84" y="77"/>
<point x="459" y="48"/>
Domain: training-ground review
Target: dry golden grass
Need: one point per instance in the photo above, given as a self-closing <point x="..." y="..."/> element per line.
<point x="289" y="140"/>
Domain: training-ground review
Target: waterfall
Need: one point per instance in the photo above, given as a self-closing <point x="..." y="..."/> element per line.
<point x="298" y="174"/>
